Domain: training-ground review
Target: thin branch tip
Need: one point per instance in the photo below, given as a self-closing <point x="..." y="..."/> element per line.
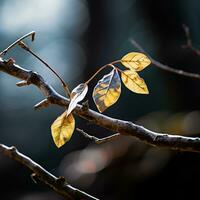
<point x="32" y="34"/>
<point x="42" y="104"/>
<point x="22" y="83"/>
<point x="189" y="44"/>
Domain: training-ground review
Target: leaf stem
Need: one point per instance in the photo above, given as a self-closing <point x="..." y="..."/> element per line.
<point x="32" y="34"/>
<point x="100" y="69"/>
<point x="118" y="69"/>
<point x="65" y="86"/>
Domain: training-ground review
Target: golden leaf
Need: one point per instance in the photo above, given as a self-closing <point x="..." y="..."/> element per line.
<point x="77" y="95"/>
<point x="107" y="90"/>
<point x="134" y="82"/>
<point x="135" y="61"/>
<point x="62" y="129"/>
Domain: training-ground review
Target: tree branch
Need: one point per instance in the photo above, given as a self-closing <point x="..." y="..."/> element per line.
<point x="127" y="128"/>
<point x="189" y="44"/>
<point x="39" y="173"/>
<point x="96" y="139"/>
<point x="165" y="67"/>
<point x="32" y="34"/>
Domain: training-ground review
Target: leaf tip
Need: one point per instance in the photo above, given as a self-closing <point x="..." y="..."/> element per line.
<point x="58" y="145"/>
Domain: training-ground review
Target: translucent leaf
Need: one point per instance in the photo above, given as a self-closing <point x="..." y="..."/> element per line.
<point x="62" y="129"/>
<point x="77" y="95"/>
<point x="107" y="90"/>
<point x="134" y="82"/>
<point x="135" y="61"/>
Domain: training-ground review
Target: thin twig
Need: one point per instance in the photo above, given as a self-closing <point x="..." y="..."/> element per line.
<point x="42" y="104"/>
<point x="189" y="44"/>
<point x="25" y="47"/>
<point x="176" y="142"/>
<point x="32" y="34"/>
<point x="101" y="68"/>
<point x="165" y="67"/>
<point x="96" y="139"/>
<point x="187" y="34"/>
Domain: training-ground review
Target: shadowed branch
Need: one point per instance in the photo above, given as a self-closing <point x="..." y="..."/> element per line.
<point x="59" y="185"/>
<point x="189" y="44"/>
<point x="163" y="66"/>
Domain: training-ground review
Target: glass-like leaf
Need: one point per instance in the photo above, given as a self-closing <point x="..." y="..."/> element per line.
<point x="134" y="82"/>
<point x="107" y="90"/>
<point x="77" y="95"/>
<point x="62" y="129"/>
<point x="135" y="61"/>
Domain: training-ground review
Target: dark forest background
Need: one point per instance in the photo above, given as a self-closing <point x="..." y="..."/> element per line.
<point x="76" y="37"/>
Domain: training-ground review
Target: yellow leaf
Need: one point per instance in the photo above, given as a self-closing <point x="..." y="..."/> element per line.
<point x="62" y="129"/>
<point x="77" y="95"/>
<point x="107" y="90"/>
<point x="135" y="61"/>
<point x="134" y="82"/>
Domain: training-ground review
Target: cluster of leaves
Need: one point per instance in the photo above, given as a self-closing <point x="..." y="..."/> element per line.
<point x="105" y="93"/>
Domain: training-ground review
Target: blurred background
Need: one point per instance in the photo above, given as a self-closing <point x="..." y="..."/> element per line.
<point x="76" y="37"/>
